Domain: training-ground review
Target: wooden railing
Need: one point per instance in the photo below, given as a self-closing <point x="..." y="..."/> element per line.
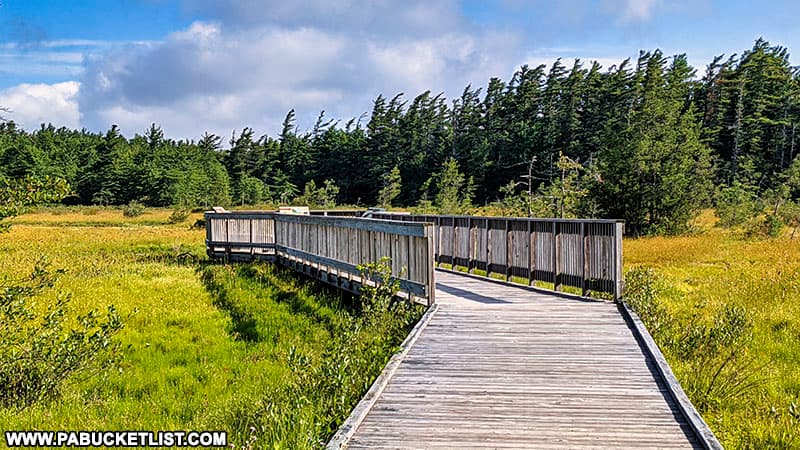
<point x="328" y="248"/>
<point x="585" y="254"/>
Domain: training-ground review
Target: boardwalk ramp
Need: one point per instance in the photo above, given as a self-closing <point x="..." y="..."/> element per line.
<point x="499" y="366"/>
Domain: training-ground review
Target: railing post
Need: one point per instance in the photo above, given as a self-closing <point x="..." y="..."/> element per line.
<point x="438" y="239"/>
<point x="453" y="245"/>
<point x="431" y="266"/>
<point x="250" y="238"/>
<point x="531" y="253"/>
<point x="209" y="224"/>
<point x="509" y="245"/>
<point x="585" y="259"/>
<point x="488" y="246"/>
<point x="227" y="240"/>
<point x="470" y="259"/>
<point x="556" y="256"/>
<point x="619" y="230"/>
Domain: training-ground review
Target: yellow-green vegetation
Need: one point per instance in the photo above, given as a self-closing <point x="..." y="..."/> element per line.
<point x="726" y="312"/>
<point x="275" y="360"/>
<point x="105" y="216"/>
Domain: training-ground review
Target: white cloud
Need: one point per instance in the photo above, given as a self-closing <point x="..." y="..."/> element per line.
<point x="214" y="77"/>
<point x="32" y="104"/>
<point x="253" y="60"/>
<point x="636" y="11"/>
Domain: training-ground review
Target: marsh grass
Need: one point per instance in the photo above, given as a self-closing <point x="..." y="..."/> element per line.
<point x="273" y="359"/>
<point x="100" y="216"/>
<point x="726" y="312"/>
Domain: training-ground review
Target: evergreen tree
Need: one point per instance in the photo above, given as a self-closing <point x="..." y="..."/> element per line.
<point x="656" y="174"/>
<point x="453" y="192"/>
<point x="392" y="185"/>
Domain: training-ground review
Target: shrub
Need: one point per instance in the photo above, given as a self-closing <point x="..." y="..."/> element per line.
<point x="322" y="386"/>
<point x="716" y="352"/>
<point x="38" y="353"/>
<point x="773" y="226"/>
<point x="736" y="204"/>
<point x="378" y="296"/>
<point x="323" y="197"/>
<point x="392" y="187"/>
<point x="769" y="226"/>
<point x="133" y="209"/>
<point x="16" y="196"/>
<point x="178" y="216"/>
<point x="642" y="290"/>
<point x="252" y="191"/>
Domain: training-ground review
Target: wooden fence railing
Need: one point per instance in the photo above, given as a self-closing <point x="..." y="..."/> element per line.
<point x="328" y="247"/>
<point x="586" y="254"/>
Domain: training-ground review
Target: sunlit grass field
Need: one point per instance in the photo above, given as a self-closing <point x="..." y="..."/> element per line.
<point x="718" y="269"/>
<point x="206" y="347"/>
<point x="214" y="347"/>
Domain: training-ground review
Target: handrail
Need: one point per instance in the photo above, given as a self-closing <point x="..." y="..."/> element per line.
<point x="581" y="253"/>
<point x="329" y="248"/>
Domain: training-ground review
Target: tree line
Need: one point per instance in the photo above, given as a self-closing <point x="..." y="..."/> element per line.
<point x="649" y="140"/>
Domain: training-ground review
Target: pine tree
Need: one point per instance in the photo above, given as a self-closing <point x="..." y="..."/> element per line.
<point x="392" y="185"/>
<point x="656" y="175"/>
<point x="454" y="192"/>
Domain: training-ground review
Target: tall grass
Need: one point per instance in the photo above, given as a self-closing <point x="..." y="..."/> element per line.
<point x="273" y="359"/>
<point x="726" y="312"/>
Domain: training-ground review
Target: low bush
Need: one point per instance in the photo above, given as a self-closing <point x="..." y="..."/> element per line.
<point x="355" y="337"/>
<point x="40" y="351"/>
<point x="707" y="347"/>
<point x="643" y="288"/>
<point x="133" y="209"/>
<point x="178" y="216"/>
<point x="770" y="226"/>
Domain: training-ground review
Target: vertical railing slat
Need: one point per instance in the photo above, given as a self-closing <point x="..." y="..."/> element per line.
<point x="585" y="254"/>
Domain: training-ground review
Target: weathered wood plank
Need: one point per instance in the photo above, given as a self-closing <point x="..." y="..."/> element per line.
<point x="581" y="253"/>
<point x="500" y="366"/>
<point x="325" y="247"/>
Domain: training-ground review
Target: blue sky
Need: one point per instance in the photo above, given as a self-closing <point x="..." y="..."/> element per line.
<point x="217" y="65"/>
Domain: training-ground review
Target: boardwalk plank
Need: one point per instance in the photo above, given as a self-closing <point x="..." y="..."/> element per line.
<point x="503" y="367"/>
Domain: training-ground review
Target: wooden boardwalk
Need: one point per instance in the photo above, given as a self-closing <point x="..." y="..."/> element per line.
<point x="490" y="365"/>
<point x="498" y="366"/>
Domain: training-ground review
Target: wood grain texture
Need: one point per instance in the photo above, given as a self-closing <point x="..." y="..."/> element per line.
<point x="326" y="246"/>
<point x="503" y="367"/>
<point x="581" y="253"/>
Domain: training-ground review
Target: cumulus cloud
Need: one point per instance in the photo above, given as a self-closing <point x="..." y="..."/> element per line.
<point x="238" y="71"/>
<point x="383" y="17"/>
<point x="247" y="62"/>
<point x="634" y="11"/>
<point x="32" y="104"/>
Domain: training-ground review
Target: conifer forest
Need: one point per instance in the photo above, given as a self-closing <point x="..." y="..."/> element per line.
<point x="651" y="141"/>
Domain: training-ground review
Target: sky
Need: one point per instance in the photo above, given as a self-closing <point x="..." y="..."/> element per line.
<point x="197" y="66"/>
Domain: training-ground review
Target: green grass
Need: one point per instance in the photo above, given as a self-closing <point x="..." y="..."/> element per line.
<point x="249" y="349"/>
<point x="703" y="284"/>
<point x="525" y="282"/>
